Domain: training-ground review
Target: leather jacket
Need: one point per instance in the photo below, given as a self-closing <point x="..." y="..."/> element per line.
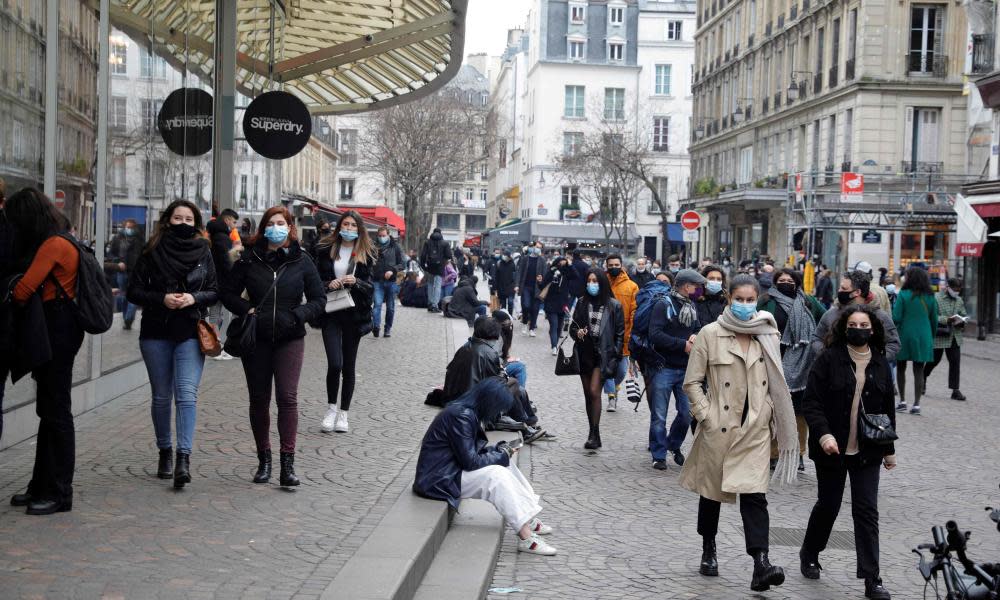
<point x="147" y="286"/>
<point x="612" y="333"/>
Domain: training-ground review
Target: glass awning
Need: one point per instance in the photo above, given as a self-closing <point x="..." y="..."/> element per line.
<point x="337" y="56"/>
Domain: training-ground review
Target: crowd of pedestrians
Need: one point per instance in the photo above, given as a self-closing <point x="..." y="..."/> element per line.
<point x="760" y="369"/>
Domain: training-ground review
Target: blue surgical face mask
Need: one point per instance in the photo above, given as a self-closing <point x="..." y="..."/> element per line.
<point x="276" y="234"/>
<point x="348" y="236"/>
<point x="713" y="287"/>
<point x="384" y="239"/>
<point x="593" y="288"/>
<point x="128" y="231"/>
<point x="744" y="311"/>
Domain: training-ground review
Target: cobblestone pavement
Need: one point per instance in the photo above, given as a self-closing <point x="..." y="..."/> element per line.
<point x="131" y="535"/>
<point x="626" y="531"/>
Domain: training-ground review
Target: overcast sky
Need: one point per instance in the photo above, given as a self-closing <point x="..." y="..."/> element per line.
<point x="487" y="23"/>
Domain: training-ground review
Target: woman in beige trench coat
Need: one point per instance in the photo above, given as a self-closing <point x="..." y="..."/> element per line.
<point x="739" y="397"/>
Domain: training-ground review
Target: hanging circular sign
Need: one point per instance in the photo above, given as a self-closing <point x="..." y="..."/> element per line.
<point x="277" y="125"/>
<point x="185" y="121"/>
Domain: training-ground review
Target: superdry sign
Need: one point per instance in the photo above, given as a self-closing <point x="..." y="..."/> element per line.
<point x="277" y="125"/>
<point x="185" y="121"/>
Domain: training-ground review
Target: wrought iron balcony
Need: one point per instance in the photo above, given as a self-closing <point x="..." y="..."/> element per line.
<point x="927" y="64"/>
<point x="922" y="167"/>
<point x="849" y="70"/>
<point x="982" y="53"/>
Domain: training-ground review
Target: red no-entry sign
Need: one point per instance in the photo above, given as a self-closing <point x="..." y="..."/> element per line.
<point x="690" y="220"/>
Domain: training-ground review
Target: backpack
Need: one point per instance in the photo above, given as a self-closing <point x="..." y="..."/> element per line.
<point x="435" y="254"/>
<point x="93" y="304"/>
<point x="639" y="344"/>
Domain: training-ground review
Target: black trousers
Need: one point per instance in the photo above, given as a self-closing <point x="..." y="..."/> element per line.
<point x="756" y="521"/>
<point x="864" y="508"/>
<point x="55" y="452"/>
<point x="954" y="353"/>
<point x="341" y="339"/>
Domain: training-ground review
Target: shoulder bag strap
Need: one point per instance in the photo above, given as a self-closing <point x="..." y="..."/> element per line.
<point x="277" y="276"/>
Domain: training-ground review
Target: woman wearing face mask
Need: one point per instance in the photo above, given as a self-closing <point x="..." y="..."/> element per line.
<point x="796" y="314"/>
<point x="738" y="360"/>
<point x="715" y="299"/>
<point x="557" y="300"/>
<point x="275" y="274"/>
<point x="343" y="260"/>
<point x="598" y="329"/>
<point x="174" y="282"/>
<point x="506" y="272"/>
<point x="850" y="375"/>
<point x="948" y="336"/>
<point x="915" y="314"/>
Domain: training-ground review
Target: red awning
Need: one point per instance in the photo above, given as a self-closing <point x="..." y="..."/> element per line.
<point x="988" y="210"/>
<point x="380" y="214"/>
<point x="473" y="241"/>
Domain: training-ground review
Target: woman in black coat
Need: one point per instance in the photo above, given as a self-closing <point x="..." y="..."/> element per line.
<point x="275" y="273"/>
<point x="465" y="304"/>
<point x="174" y="282"/>
<point x="714" y="301"/>
<point x="598" y="329"/>
<point x="506" y="272"/>
<point x="851" y="376"/>
<point x="456" y="462"/>
<point x="558" y="279"/>
<point x="344" y="260"/>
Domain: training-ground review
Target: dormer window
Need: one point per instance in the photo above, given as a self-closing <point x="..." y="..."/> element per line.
<point x="616" y="51"/>
<point x="577" y="13"/>
<point x="617" y="15"/>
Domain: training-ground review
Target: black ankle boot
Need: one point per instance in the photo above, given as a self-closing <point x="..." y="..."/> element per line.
<point x="288" y="477"/>
<point x="764" y="574"/>
<point x="709" y="558"/>
<point x="594" y="439"/>
<point x="182" y="473"/>
<point x="263" y="474"/>
<point x="165" y="468"/>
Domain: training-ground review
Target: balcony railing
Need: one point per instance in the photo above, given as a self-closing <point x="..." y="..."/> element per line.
<point x="927" y="64"/>
<point x="982" y="53"/>
<point x="849" y="70"/>
<point x="833" y="76"/>
<point x="922" y="167"/>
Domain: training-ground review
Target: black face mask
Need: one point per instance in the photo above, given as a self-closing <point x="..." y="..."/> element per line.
<point x="614" y="272"/>
<point x="787" y="289"/>
<point x="844" y="298"/>
<point x="858" y="337"/>
<point x="183" y="230"/>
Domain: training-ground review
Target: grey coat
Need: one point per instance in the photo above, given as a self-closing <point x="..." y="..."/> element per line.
<point x="830" y="319"/>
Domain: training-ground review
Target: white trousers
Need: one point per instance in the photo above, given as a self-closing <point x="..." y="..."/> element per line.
<point x="507" y="489"/>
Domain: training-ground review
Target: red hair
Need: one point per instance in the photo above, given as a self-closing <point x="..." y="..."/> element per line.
<point x="276" y="210"/>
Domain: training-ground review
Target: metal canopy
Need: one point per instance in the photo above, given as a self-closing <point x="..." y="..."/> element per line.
<point x="338" y="56"/>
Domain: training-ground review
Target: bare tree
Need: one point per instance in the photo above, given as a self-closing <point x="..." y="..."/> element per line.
<point x="422" y="146"/>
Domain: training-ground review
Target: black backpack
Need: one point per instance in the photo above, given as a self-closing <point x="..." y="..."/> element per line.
<point x="94" y="303"/>
<point x="435" y="254"/>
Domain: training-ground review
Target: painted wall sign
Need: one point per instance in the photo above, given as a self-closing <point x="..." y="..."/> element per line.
<point x="185" y="121"/>
<point x="277" y="125"/>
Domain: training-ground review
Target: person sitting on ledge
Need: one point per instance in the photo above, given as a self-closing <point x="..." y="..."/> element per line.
<point x="456" y="462"/>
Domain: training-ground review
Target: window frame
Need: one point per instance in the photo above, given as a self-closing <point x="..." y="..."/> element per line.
<point x="620" y="12"/>
<point x="661" y="133"/>
<point x="614" y="111"/>
<point x="612" y="45"/>
<point x="346" y="183"/>
<point x="581" y="43"/>
<point x="675" y="34"/>
<point x="657" y="91"/>
<point x="576" y="110"/>
<point x="573" y="8"/>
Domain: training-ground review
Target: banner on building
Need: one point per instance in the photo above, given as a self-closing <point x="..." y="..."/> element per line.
<point x="185" y="121"/>
<point x="852" y="187"/>
<point x="277" y="125"/>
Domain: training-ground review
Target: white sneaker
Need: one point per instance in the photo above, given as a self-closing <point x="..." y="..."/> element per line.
<point x="330" y="419"/>
<point x="524" y="330"/>
<point x="539" y="528"/>
<point x="612" y="403"/>
<point x="555" y="351"/>
<point x="532" y="333"/>
<point x="535" y="545"/>
<point x="341" y="426"/>
<point x="224" y="356"/>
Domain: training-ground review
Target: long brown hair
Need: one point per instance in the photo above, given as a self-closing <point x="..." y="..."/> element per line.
<point x="293" y="235"/>
<point x="364" y="249"/>
<point x="164" y="223"/>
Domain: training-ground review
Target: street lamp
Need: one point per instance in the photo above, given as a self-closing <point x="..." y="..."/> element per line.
<point x="699" y="131"/>
<point x="793" y="88"/>
<point x="738" y="113"/>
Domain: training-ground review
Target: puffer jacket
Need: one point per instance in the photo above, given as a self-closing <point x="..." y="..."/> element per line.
<point x="454" y="442"/>
<point x="625" y="291"/>
<point x="612" y="333"/>
<point x="282" y="314"/>
<point x="147" y="286"/>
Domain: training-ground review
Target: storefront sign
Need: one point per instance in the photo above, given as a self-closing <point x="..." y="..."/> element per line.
<point x="871" y="237"/>
<point x="185" y="121"/>
<point x="967" y="249"/>
<point x="852" y="187"/>
<point x="277" y="125"/>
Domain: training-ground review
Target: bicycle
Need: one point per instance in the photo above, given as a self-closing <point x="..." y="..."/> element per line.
<point x="976" y="581"/>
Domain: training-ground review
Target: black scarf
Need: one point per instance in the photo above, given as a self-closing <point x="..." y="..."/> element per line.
<point x="175" y="257"/>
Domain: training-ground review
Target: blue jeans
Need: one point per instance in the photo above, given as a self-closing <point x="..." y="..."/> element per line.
<point x="174" y="373"/>
<point x="434" y="291"/>
<point x="555" y="325"/>
<point x="385" y="291"/>
<point x="128" y="309"/>
<point x="665" y="381"/>
<point x="518" y="371"/>
<point x="611" y="386"/>
<point x="529" y="307"/>
<point x="507" y="304"/>
<point x="447" y="290"/>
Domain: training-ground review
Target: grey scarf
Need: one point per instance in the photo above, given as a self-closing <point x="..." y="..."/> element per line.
<point x="797" y="336"/>
<point x="764" y="328"/>
<point x="687" y="314"/>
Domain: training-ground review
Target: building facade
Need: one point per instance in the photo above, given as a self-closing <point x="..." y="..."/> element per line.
<point x="824" y="88"/>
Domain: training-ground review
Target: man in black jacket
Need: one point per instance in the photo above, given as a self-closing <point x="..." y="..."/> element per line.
<point x="465" y="304"/>
<point x="122" y="254"/>
<point x="530" y="272"/>
<point x="432" y="258"/>
<point x="389" y="263"/>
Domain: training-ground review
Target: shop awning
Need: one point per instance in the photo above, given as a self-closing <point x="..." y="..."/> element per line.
<point x="986" y="207"/>
<point x="337" y="56"/>
<point x="383" y="214"/>
<point x="675" y="233"/>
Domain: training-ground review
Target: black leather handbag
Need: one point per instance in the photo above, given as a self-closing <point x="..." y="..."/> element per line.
<point x="875" y="430"/>
<point x="241" y="335"/>
<point x="567" y="364"/>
